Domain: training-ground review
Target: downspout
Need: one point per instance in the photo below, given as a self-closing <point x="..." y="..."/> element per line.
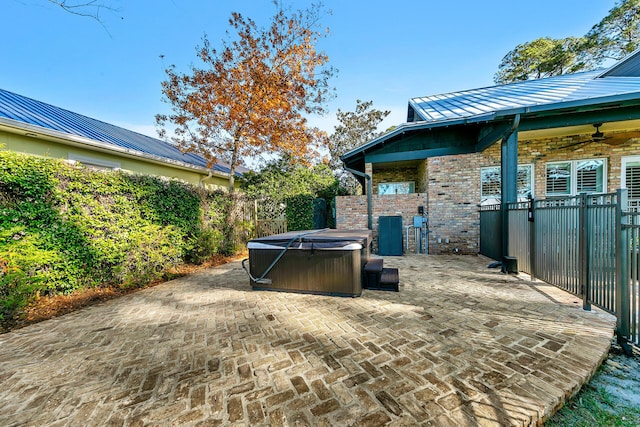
<point x="204" y="178"/>
<point x="367" y="178"/>
<point x="514" y="126"/>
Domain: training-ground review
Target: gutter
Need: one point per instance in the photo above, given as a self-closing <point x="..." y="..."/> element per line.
<point x="367" y="178"/>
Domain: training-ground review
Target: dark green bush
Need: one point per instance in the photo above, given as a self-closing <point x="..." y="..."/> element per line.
<point x="64" y="228"/>
<point x="300" y="212"/>
<point x="206" y="243"/>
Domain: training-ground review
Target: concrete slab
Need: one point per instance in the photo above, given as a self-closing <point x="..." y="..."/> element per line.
<point x="460" y="344"/>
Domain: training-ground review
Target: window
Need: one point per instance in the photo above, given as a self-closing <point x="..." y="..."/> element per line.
<point x="385" y="188"/>
<point x="630" y="180"/>
<point x="575" y="177"/>
<point x="491" y="183"/>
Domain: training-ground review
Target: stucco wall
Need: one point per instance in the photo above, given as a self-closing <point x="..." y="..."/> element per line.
<point x="45" y="148"/>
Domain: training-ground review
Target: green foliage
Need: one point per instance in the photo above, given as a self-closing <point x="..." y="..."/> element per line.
<point x="151" y="251"/>
<point x="64" y="228"/>
<point x="355" y="129"/>
<point x="617" y="34"/>
<point x="282" y="179"/>
<point x="542" y="57"/>
<point x="300" y="212"/>
<point x="614" y="37"/>
<point x="206" y="243"/>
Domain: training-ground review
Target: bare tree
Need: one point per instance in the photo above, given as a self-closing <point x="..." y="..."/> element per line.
<point x="86" y="8"/>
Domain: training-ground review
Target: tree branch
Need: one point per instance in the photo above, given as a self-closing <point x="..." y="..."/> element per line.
<point x="86" y="8"/>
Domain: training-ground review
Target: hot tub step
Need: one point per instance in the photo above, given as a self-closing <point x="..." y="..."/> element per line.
<point x="373" y="273"/>
<point x="389" y="280"/>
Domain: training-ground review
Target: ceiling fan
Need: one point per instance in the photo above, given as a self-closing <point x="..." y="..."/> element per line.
<point x="599" y="136"/>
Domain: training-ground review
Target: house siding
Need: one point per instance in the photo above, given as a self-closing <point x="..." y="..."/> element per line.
<point x="46" y="148"/>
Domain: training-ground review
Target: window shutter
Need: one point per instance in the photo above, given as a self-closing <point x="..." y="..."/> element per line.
<point x="589" y="176"/>
<point x="490" y="179"/>
<point x="632" y="178"/>
<point x="559" y="178"/>
<point x="524" y="180"/>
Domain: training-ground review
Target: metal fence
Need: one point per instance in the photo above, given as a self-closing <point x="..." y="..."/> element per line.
<point x="628" y="312"/>
<point x="586" y="245"/>
<point x="490" y="231"/>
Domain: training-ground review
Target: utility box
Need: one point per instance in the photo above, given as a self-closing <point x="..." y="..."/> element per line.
<point x="390" y="235"/>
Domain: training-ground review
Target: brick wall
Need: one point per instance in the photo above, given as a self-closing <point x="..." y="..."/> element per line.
<point x="541" y="151"/>
<point x="450" y="187"/>
<point x="454" y="195"/>
<point x="395" y="175"/>
<point x="351" y="213"/>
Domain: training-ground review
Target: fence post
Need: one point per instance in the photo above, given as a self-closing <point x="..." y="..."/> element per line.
<point x="532" y="238"/>
<point x="622" y="269"/>
<point x="583" y="238"/>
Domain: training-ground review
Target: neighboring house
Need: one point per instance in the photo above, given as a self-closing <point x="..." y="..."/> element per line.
<point x="557" y="136"/>
<point x="34" y="127"/>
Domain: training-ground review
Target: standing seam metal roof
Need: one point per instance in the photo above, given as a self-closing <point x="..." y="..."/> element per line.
<point x="36" y="113"/>
<point x="552" y="90"/>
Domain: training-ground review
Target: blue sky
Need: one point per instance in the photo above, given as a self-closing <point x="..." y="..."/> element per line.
<point x="385" y="51"/>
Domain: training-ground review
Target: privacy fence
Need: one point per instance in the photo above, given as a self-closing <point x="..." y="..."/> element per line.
<point x="588" y="245"/>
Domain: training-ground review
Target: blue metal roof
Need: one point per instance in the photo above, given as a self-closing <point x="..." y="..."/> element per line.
<point x="542" y="93"/>
<point x="35" y="113"/>
<point x="619" y="83"/>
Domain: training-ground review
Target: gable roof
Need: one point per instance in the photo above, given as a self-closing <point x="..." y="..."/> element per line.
<point x="30" y="114"/>
<point x="619" y="83"/>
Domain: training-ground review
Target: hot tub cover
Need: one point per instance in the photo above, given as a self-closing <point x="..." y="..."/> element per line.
<point x="325" y="239"/>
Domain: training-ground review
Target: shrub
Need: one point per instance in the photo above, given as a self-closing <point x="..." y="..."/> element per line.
<point x="64" y="228"/>
<point x="300" y="212"/>
<point x="206" y="243"/>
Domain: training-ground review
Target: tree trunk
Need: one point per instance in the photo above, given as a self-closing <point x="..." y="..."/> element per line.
<point x="232" y="166"/>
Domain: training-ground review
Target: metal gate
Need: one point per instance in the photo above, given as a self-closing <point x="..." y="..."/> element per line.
<point x="491" y="231"/>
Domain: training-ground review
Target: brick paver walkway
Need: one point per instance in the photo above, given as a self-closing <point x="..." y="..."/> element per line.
<point x="460" y="344"/>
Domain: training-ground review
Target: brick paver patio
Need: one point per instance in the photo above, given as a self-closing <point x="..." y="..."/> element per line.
<point x="460" y="344"/>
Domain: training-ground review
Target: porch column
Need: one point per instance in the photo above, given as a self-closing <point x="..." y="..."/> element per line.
<point x="368" y="170"/>
<point x="509" y="176"/>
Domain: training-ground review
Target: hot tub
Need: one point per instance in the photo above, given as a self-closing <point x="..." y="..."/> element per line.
<point x="328" y="262"/>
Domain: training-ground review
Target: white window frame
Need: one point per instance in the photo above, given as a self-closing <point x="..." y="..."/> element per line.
<point x="573" y="176"/>
<point x="94" y="162"/>
<point x="490" y="199"/>
<point x="634" y="204"/>
<point x="412" y="186"/>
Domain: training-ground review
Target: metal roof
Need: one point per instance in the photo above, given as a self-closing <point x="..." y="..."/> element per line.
<point x="28" y="111"/>
<point x="618" y="83"/>
<point x="540" y="93"/>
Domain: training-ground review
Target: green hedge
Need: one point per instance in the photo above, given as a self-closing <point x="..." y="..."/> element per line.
<point x="299" y="212"/>
<point x="64" y="228"/>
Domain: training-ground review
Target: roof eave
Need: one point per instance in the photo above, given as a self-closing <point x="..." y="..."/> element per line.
<point x="563" y="105"/>
<point x="18" y="127"/>
<point x="421" y="125"/>
<point x="488" y="117"/>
